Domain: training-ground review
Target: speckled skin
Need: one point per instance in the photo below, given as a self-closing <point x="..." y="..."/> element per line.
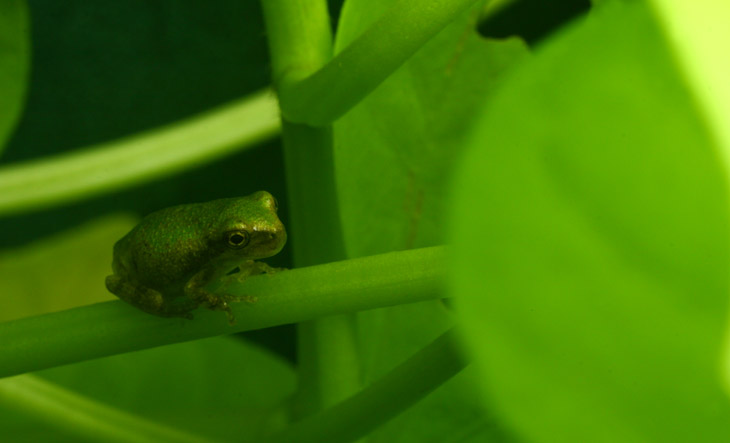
<point x="163" y="264"/>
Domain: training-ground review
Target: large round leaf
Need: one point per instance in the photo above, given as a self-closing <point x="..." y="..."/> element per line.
<point x="591" y="243"/>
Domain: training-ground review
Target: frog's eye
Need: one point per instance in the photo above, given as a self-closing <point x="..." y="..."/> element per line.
<point x="276" y="204"/>
<point x="237" y="239"/>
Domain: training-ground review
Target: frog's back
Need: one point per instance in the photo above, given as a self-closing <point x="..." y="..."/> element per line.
<point x="166" y="247"/>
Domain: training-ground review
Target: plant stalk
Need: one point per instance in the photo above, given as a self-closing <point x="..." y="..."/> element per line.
<point x="300" y="42"/>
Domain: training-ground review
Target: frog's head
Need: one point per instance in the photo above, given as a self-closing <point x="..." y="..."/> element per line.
<point x="249" y="227"/>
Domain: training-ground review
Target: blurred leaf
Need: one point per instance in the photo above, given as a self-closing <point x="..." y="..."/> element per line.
<point x="14" y="64"/>
<point x="394" y="154"/>
<point x="591" y="255"/>
<point x="219" y="387"/>
<point x="61" y="271"/>
<point x="698" y="34"/>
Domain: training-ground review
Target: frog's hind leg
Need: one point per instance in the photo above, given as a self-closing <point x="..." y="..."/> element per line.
<point x="146" y="299"/>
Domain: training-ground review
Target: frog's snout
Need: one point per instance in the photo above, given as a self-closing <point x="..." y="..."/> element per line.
<point x="270" y="242"/>
<point x="278" y="237"/>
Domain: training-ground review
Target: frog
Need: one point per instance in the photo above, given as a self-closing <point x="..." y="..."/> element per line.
<point x="163" y="265"/>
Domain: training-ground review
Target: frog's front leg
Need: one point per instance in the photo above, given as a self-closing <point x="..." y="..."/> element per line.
<point x="147" y="299"/>
<point x="250" y="267"/>
<point x="195" y="290"/>
<point x="246" y="270"/>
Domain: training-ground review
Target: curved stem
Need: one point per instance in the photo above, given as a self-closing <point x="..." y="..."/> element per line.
<point x="323" y="97"/>
<point x="408" y="383"/>
<point x="130" y="161"/>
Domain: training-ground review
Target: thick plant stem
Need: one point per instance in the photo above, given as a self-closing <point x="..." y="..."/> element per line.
<point x="328" y="367"/>
<point x="299" y="295"/>
<point x="300" y="42"/>
<point x="315" y="231"/>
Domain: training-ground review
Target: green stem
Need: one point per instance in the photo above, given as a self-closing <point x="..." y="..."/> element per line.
<point x="315" y="230"/>
<point x="357" y="416"/>
<point x="141" y="157"/>
<point x="300" y="42"/>
<point x="323" y="97"/>
<point x="330" y="361"/>
<point x="114" y="327"/>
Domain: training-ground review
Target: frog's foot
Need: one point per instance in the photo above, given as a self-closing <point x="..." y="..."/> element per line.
<point x="222" y="302"/>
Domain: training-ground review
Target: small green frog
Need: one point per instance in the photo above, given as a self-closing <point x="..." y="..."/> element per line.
<point x="164" y="263"/>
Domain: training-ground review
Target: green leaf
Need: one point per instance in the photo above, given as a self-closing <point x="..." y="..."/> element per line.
<point x="222" y="388"/>
<point x="699" y="34"/>
<point x="73" y="265"/>
<point x="395" y="151"/>
<point x="394" y="155"/>
<point x="14" y="64"/>
<point x="591" y="259"/>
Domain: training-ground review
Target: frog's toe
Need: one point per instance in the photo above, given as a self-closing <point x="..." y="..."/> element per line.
<point x="250" y="299"/>
<point x="263" y="268"/>
<point x="221" y="304"/>
<point x="231" y="318"/>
